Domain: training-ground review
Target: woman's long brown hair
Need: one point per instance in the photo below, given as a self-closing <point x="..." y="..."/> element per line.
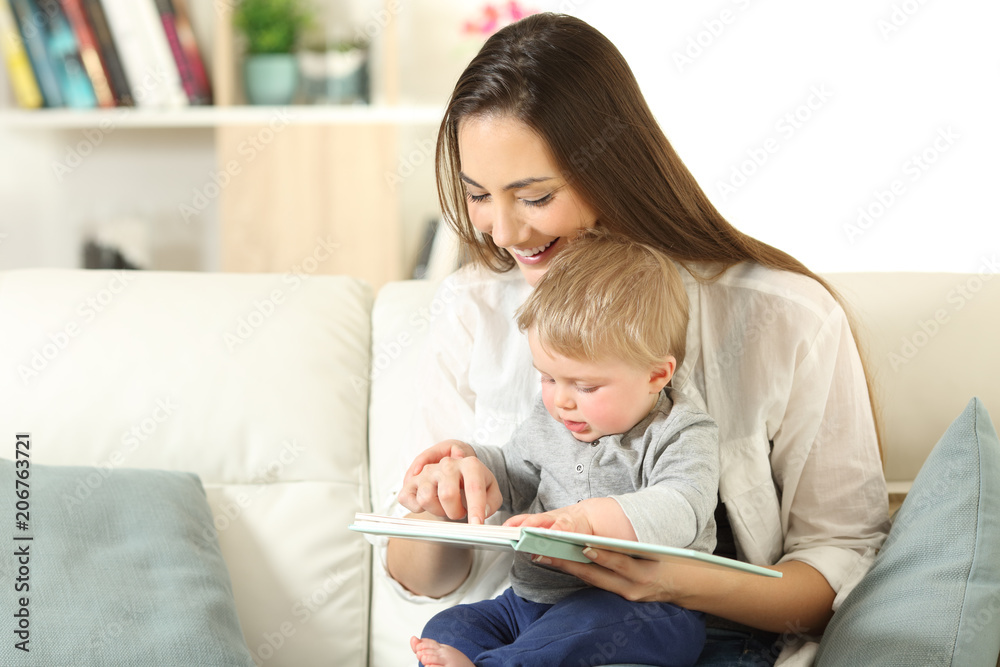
<point x="568" y="82"/>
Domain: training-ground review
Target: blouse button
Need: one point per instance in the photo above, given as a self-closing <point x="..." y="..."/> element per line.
<point x="579" y="467"/>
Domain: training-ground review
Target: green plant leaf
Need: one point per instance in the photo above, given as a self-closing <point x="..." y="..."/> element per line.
<point x="271" y="26"/>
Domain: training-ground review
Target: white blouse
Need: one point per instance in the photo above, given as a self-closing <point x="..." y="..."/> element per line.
<point x="769" y="355"/>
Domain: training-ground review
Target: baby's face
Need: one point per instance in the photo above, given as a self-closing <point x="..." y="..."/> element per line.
<point x="594" y="399"/>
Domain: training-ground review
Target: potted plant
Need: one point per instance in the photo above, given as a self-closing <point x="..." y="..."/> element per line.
<point x="272" y="29"/>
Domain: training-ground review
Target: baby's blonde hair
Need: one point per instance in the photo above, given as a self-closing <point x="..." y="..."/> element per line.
<point x="604" y="297"/>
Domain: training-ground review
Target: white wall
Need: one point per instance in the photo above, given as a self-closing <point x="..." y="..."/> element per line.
<point x="56" y="185"/>
<point x="891" y="82"/>
<point x="881" y="94"/>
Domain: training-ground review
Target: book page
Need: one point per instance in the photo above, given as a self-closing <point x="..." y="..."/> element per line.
<point x="427" y="529"/>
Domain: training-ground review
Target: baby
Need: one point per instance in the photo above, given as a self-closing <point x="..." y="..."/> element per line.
<point x="610" y="449"/>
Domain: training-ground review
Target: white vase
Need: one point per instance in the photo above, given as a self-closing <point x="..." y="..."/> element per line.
<point x="335" y="77"/>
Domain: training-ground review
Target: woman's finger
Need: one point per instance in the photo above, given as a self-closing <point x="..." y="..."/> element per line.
<point x="408" y="497"/>
<point x="427" y="496"/>
<point x="449" y="489"/>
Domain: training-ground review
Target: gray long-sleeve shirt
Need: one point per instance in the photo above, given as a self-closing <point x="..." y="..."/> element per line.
<point x="664" y="473"/>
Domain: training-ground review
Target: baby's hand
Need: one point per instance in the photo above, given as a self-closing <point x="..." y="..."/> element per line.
<point x="572" y="518"/>
<point x="593" y="516"/>
<point x="448" y="480"/>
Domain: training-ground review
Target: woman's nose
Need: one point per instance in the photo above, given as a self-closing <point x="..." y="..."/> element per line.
<point x="506" y="229"/>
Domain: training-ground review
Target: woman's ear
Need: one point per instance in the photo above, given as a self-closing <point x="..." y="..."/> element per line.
<point x="661" y="374"/>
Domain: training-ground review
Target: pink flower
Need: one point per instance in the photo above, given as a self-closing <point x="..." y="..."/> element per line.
<point x="491" y="18"/>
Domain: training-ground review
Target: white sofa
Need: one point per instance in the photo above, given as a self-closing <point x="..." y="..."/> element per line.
<point x="289" y="396"/>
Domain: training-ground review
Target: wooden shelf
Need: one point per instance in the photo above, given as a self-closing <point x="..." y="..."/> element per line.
<point x="213" y="117"/>
<point x="330" y="177"/>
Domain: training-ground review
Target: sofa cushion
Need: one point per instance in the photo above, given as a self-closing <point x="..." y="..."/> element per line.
<point x="126" y="571"/>
<point x="933" y="594"/>
<point x="249" y="381"/>
<point x="400" y="323"/>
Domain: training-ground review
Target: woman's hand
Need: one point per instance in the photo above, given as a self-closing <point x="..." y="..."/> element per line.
<point x="447" y="480"/>
<point x="632" y="578"/>
<point x="801" y="599"/>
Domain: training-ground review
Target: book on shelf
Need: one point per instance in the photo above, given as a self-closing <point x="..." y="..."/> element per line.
<point x="184" y="49"/>
<point x="98" y="21"/>
<point x="107" y="53"/>
<point x="90" y="53"/>
<point x="22" y="77"/>
<point x="64" y="53"/>
<point x="543" y="541"/>
<point x="189" y="44"/>
<point x="146" y="56"/>
<point x="27" y="16"/>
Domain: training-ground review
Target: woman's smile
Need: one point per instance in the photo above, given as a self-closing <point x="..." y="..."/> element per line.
<point x="533" y="255"/>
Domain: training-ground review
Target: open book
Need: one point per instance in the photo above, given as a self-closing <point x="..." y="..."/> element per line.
<point x="542" y="541"/>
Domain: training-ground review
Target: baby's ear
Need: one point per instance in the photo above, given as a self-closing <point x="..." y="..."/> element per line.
<point x="661" y="374"/>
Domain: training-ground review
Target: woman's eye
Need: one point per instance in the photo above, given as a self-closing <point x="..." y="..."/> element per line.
<point x="542" y="201"/>
<point x="476" y="198"/>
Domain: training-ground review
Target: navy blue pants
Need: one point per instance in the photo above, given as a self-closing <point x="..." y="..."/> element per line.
<point x="589" y="627"/>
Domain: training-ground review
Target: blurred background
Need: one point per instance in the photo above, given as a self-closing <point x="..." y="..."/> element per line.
<point x="858" y="136"/>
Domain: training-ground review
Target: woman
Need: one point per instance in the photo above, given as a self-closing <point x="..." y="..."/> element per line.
<point x="547" y="133"/>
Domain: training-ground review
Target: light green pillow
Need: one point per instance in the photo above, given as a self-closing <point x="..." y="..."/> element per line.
<point x="933" y="595"/>
<point x="123" y="568"/>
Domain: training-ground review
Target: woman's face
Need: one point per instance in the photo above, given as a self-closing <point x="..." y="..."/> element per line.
<point x="516" y="193"/>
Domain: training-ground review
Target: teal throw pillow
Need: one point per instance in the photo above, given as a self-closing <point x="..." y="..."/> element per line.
<point x="933" y="595"/>
<point x="122" y="568"/>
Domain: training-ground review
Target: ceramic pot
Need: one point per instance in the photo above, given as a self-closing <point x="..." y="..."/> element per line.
<point x="271" y="78"/>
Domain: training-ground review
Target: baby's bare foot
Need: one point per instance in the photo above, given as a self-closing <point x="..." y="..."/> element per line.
<point x="434" y="654"/>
